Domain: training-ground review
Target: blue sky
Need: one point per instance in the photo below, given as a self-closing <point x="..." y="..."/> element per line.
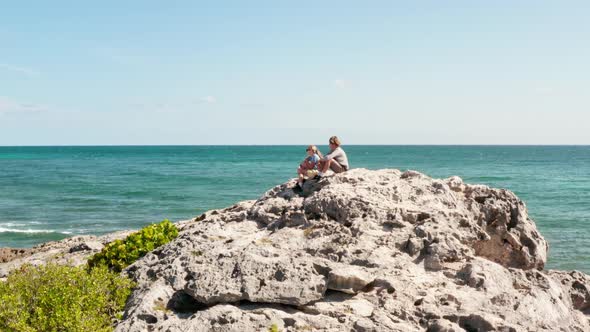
<point x="278" y="72"/>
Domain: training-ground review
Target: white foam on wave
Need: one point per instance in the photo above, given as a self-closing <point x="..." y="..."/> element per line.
<point x="11" y="224"/>
<point x="29" y="231"/>
<point x="25" y="228"/>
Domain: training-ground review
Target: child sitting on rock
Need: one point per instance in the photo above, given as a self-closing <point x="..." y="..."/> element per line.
<point x="308" y="167"/>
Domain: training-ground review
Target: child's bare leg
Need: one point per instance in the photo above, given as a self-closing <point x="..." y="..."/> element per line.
<point x="325" y="165"/>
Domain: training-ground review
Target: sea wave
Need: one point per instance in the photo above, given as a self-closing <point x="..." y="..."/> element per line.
<point x="30" y="231"/>
<point x="11" y="224"/>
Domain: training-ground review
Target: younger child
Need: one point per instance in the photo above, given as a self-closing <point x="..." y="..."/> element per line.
<point x="308" y="167"/>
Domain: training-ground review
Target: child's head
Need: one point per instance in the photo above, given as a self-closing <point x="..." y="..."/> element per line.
<point x="311" y="150"/>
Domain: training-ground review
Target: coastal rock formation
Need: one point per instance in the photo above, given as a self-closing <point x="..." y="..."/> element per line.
<point x="72" y="251"/>
<point x="359" y="251"/>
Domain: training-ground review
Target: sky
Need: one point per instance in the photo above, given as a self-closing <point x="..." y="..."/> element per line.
<point x="294" y="72"/>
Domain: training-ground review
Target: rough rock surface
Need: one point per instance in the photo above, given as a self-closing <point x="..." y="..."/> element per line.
<point x="72" y="251"/>
<point x="359" y="251"/>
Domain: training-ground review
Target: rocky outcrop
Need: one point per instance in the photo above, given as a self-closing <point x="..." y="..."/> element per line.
<point x="72" y="251"/>
<point x="10" y="254"/>
<point x="359" y="251"/>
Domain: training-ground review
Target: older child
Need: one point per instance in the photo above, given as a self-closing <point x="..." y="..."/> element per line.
<point x="336" y="159"/>
<point x="308" y="167"/>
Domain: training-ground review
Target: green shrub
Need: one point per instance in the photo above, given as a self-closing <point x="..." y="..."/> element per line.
<point x="61" y="298"/>
<point x="119" y="254"/>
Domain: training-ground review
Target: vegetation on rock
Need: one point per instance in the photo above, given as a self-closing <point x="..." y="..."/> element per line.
<point x="56" y="297"/>
<point x="121" y="253"/>
<point x="61" y="298"/>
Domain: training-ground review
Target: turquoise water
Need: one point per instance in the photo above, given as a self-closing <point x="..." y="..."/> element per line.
<point x="48" y="193"/>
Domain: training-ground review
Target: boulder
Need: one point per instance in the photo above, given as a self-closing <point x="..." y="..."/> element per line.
<point x="360" y="251"/>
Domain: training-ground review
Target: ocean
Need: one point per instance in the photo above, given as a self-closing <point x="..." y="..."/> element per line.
<point x="49" y="193"/>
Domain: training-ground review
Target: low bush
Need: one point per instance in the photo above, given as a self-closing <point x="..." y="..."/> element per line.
<point x="119" y="254"/>
<point x="61" y="298"/>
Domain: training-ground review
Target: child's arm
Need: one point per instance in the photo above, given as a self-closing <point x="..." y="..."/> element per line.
<point x="314" y="160"/>
<point x="307" y="164"/>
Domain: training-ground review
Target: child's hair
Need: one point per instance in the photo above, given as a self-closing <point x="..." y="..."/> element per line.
<point x="315" y="150"/>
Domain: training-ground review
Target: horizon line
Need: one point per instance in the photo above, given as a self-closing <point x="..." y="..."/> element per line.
<point x="271" y="145"/>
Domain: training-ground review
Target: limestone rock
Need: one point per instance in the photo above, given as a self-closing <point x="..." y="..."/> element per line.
<point x="442" y="325"/>
<point x="73" y="251"/>
<point x="87" y="245"/>
<point x="357" y="251"/>
<point x="362" y="251"/>
<point x="348" y="279"/>
<point x="258" y="277"/>
<point x="9" y="254"/>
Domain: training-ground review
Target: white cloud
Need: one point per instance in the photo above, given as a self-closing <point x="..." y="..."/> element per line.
<point x="8" y="105"/>
<point x="209" y="100"/>
<point x="29" y="72"/>
<point x="340" y="83"/>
